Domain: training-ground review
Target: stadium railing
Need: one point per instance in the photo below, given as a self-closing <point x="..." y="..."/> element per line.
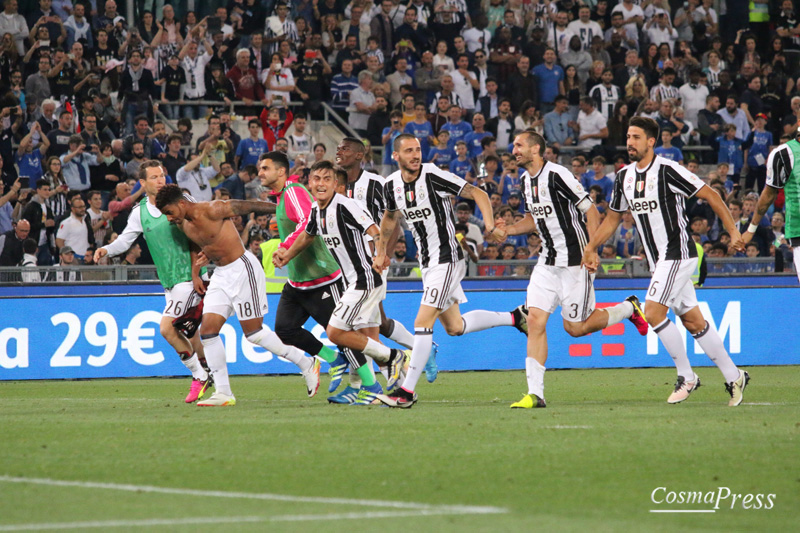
<point x="483" y="270"/>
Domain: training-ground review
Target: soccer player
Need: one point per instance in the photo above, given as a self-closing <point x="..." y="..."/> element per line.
<point x="237" y="286"/>
<point x="314" y="278"/>
<point x="366" y="188"/>
<point x="174" y="257"/>
<point x="654" y="189"/>
<point x="782" y="174"/>
<point x="342" y="224"/>
<point x="422" y="194"/>
<point x="563" y="212"/>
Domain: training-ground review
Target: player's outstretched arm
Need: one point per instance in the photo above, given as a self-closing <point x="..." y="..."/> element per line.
<point x="604" y="231"/>
<point x="766" y="199"/>
<point x="221" y="209"/>
<point x="718" y="205"/>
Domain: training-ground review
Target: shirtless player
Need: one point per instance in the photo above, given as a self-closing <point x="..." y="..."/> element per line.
<point x="237" y="286"/>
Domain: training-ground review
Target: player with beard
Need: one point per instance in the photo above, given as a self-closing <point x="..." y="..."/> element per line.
<point x="174" y="257"/>
<point x="422" y="194"/>
<point x="237" y="286"/>
<point x="560" y="208"/>
<point x="655" y="189"/>
<point x="367" y="189"/>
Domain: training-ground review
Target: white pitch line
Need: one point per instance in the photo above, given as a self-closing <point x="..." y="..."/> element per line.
<point x="682" y="511"/>
<point x="465" y="509"/>
<point x="131" y="523"/>
<point x="151" y="522"/>
<point x="566" y="427"/>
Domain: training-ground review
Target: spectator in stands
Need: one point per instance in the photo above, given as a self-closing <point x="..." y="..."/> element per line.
<point x="388" y="135"/>
<point x="378" y="121"/>
<point x="196" y="178"/>
<point x="75" y="165"/>
<point x="309" y="82"/>
<point x="502" y="125"/>
<point x="132" y="166"/>
<point x="591" y="126"/>
<point x="522" y="85"/>
<point x="457" y="128"/>
<point x="382" y="27"/>
<point x="59" y="138"/>
<point x="342" y="85"/>
<point x="577" y="57"/>
<point x="76" y="230"/>
<point x="427" y="77"/>
<point x="362" y="103"/>
<point x="756" y="150"/>
<point x="666" y="150"/>
<point x="732" y="114"/>
<point x="487" y="104"/>
<point x="730" y="151"/>
<point x="398" y="78"/>
<point x="29" y="159"/>
<point x="421" y="128"/>
<point x="138" y="90"/>
<point x="11" y="244"/>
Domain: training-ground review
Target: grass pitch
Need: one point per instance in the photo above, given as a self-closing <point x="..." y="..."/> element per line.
<point x="460" y="460"/>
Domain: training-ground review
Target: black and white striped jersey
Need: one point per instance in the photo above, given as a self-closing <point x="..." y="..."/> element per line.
<point x="367" y="190"/>
<point x="605" y="98"/>
<point x="551" y="197"/>
<point x="780" y="163"/>
<point x="342" y="225"/>
<point x="656" y="198"/>
<point x="426" y="206"/>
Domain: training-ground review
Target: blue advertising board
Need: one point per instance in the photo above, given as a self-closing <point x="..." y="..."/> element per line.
<point x="118" y="336"/>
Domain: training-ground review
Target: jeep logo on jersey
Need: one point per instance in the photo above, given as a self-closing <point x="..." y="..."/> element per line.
<point x="417" y="213"/>
<point x="331" y="242"/>
<point x="541" y="210"/>
<point x="643" y="206"/>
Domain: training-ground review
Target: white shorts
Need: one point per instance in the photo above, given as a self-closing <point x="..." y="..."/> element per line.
<point x="382" y="288"/>
<point x="357" y="309"/>
<point x="441" y="285"/>
<point x="671" y="285"/>
<point x="239" y="287"/>
<point x="180" y="298"/>
<point x="570" y="287"/>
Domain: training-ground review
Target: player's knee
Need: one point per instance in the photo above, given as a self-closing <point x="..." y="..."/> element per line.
<point x="207" y="331"/>
<point x="454" y="330"/>
<point x="654" y="316"/>
<point x="168" y="331"/>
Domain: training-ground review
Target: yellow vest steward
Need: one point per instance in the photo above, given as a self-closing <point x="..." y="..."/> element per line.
<point x="274" y="283"/>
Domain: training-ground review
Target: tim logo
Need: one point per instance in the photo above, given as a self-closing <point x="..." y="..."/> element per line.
<point x="417" y="213"/>
<point x="541" y="210"/>
<point x="331" y="242"/>
<point x="640" y="205"/>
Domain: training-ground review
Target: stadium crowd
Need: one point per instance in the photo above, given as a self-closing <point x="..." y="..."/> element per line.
<point x="87" y="96"/>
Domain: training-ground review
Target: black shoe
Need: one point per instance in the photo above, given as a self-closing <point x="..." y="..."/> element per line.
<point x="520" y="315"/>
<point x="398" y="398"/>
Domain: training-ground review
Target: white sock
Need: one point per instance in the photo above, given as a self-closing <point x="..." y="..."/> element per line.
<point x="481" y="320"/>
<point x="215" y="357"/>
<point x="194" y="366"/>
<point x="377" y="351"/>
<point x="423" y="342"/>
<point x="534" y="372"/>
<point x="619" y="312"/>
<point x="269" y="340"/>
<point x="385" y="372"/>
<point x="711" y="343"/>
<point x="401" y="335"/>
<point x="672" y="341"/>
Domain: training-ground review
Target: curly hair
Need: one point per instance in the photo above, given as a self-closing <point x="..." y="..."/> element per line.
<point x="168" y="195"/>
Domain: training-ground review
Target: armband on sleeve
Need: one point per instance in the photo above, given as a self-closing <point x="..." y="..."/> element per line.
<point x="584" y="205"/>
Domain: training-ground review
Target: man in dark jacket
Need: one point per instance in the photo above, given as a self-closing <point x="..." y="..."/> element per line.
<point x="138" y="89"/>
<point x="522" y="86"/>
<point x="41" y="220"/>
